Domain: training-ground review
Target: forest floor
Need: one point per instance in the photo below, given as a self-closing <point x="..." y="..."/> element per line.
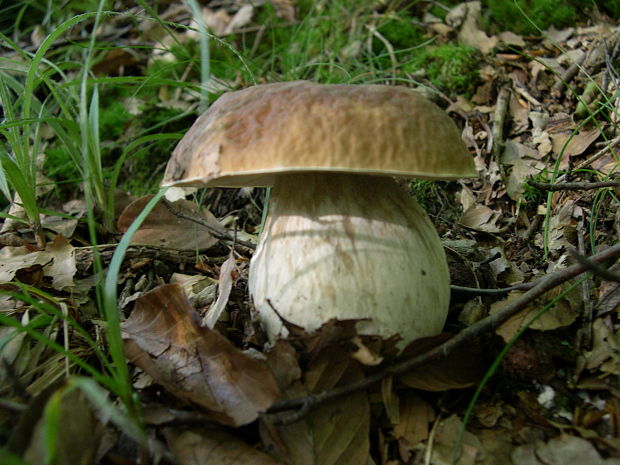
<point x="526" y="371"/>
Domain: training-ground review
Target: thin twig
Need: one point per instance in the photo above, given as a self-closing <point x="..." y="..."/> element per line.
<point x="222" y="235"/>
<point x="573" y="186"/>
<point x="500" y="291"/>
<point x="489" y="323"/>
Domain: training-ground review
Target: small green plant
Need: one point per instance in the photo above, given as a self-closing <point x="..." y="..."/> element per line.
<point x="425" y="192"/>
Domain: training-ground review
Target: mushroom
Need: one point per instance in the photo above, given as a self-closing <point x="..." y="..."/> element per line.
<point x="341" y="239"/>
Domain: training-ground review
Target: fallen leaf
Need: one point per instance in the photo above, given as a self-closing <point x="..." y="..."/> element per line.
<point x="63" y="267"/>
<point x="282" y="360"/>
<point x="459" y="369"/>
<point x="200" y="290"/>
<point x="72" y="445"/>
<point x="561" y="230"/>
<point x="416" y="415"/>
<point x="560" y="315"/>
<point x="563" y="450"/>
<point x="284" y="9"/>
<point x="163" y="337"/>
<point x="335" y="433"/>
<point x="162" y="228"/>
<point x="241" y="19"/>
<point x="511" y="39"/>
<point x="480" y="218"/>
<point x="446" y="438"/>
<point x="577" y="144"/>
<point x="202" y="446"/>
<point x="470" y="32"/>
<point x="604" y="345"/>
<point x="57" y="261"/>
<point x="13" y="259"/>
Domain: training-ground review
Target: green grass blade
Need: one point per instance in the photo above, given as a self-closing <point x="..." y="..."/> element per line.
<point x="110" y="299"/>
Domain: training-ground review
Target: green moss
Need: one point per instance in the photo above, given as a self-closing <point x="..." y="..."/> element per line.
<point x="113" y="118"/>
<point x="526" y="16"/>
<point x="401" y="32"/>
<point x="451" y="68"/>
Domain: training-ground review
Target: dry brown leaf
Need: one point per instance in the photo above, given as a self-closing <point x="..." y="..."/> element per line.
<point x="164" y="338"/>
<point x="511" y="39"/>
<point x="560" y="315"/>
<point x="200" y="290"/>
<point x="609" y="295"/>
<point x="162" y="228"/>
<point x="335" y="433"/>
<point x="480" y="218"/>
<point x="63" y="267"/>
<point x="577" y="144"/>
<point x="282" y="360"/>
<point x="73" y="446"/>
<point x="60" y="225"/>
<point x="460" y="369"/>
<point x="57" y="261"/>
<point x="416" y="415"/>
<point x="13" y="259"/>
<point x="604" y="345"/>
<point x="563" y="450"/>
<point x="242" y="18"/>
<point x="468" y="14"/>
<point x="561" y="230"/>
<point x="518" y="111"/>
<point x="213" y="447"/>
<point x="446" y="438"/>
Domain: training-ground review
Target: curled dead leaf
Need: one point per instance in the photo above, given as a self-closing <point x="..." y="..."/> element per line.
<point x="164" y="338"/>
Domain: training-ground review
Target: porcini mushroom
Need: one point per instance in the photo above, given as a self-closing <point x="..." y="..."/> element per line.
<point x="342" y="239"/>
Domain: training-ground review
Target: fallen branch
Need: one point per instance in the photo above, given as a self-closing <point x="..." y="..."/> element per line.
<point x="489" y="323"/>
<point x="498" y="122"/>
<point x="84" y="255"/>
<point x="573" y="186"/>
<point x="595" y="267"/>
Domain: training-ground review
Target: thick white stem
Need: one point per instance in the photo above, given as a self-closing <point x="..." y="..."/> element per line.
<point x="349" y="246"/>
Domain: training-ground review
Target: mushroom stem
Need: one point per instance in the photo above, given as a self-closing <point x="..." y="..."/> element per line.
<point x="349" y="246"/>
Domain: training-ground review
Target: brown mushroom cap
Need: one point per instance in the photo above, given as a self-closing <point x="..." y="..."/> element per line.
<point x="249" y="136"/>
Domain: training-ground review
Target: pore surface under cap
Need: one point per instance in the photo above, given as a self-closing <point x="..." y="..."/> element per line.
<point x="249" y="136"/>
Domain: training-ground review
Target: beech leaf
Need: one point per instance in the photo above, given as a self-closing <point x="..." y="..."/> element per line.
<point x="164" y="338"/>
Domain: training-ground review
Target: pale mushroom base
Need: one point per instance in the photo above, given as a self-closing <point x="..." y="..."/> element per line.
<point x="349" y="246"/>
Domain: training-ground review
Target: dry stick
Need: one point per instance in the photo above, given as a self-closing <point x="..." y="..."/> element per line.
<point x="500" y="291"/>
<point x="594" y="267"/>
<point x="84" y="255"/>
<point x="498" y="122"/>
<point x="573" y="186"/>
<point x="489" y="323"/>
<point x="569" y="74"/>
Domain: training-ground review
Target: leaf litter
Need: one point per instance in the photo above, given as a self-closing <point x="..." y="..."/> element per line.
<point x="197" y="351"/>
